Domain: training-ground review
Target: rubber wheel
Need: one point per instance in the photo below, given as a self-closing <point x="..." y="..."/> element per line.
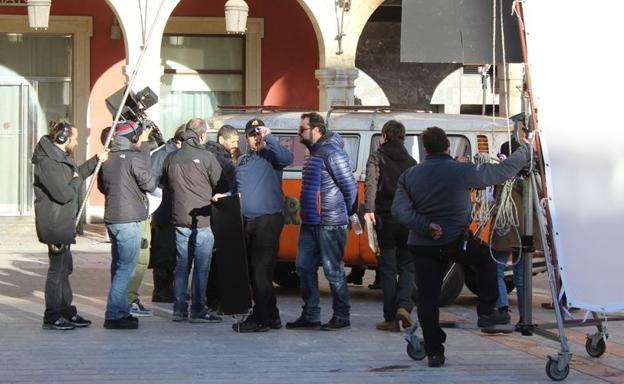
<point x="452" y="287"/>
<point x="414" y="354"/>
<point x="285" y="275"/>
<point x="599" y="350"/>
<point x="553" y="372"/>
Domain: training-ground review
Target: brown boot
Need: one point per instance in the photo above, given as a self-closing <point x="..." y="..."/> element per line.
<point x="404" y="316"/>
<point x="388" y="325"/>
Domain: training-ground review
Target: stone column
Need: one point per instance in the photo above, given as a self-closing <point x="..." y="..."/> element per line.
<point x="515" y="74"/>
<point x="336" y="86"/>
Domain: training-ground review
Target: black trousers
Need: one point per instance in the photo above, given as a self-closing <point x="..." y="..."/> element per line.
<point x="396" y="266"/>
<point x="262" y="236"/>
<point x="58" y="292"/>
<point x="430" y="264"/>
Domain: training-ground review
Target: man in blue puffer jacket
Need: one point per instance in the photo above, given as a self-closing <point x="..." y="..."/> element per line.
<point x="328" y="197"/>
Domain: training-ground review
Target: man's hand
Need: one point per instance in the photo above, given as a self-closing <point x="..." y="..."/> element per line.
<point x="264" y="131"/>
<point x="435" y="231"/>
<point x="370" y="217"/>
<point x="521" y="135"/>
<point x="145" y="135"/>
<point x="217" y="196"/>
<point x="103" y="156"/>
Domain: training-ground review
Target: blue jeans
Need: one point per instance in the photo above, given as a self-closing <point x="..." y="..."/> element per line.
<point x="125" y="246"/>
<point x="323" y="243"/>
<point x="193" y="245"/>
<point x="518" y="271"/>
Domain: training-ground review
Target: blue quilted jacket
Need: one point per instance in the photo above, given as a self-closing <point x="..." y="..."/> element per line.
<point x="328" y="190"/>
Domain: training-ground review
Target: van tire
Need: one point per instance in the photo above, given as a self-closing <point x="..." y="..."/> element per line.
<point x="452" y="287"/>
<point x="285" y="275"/>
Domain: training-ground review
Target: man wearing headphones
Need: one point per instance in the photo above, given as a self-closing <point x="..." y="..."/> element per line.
<point x="124" y="180"/>
<point x="57" y="184"/>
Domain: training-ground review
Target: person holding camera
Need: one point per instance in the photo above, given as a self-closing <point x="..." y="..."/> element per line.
<point x="58" y="182"/>
<point x="124" y="180"/>
<point x="433" y="200"/>
<point x="258" y="178"/>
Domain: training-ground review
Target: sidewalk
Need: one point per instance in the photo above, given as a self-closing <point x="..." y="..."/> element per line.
<point x="161" y="351"/>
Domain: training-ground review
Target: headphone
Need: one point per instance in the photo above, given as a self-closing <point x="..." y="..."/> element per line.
<point x="61" y="132"/>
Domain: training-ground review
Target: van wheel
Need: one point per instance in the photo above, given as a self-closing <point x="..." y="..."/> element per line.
<point x="285" y="275"/>
<point x="471" y="281"/>
<point x="452" y="286"/>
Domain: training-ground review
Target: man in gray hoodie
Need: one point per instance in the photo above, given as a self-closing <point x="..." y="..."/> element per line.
<point x="433" y="200"/>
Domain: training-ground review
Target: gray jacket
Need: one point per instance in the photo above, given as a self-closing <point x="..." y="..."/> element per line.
<point x="438" y="191"/>
<point x="124" y="179"/>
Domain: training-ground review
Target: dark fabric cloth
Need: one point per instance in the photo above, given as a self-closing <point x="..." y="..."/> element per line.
<point x="162" y="247"/>
<point x="262" y="236"/>
<point x="58" y="292"/>
<point x="438" y="191"/>
<point x="396" y="267"/>
<point x="124" y="179"/>
<point x="191" y="173"/>
<point x="328" y="188"/>
<point x="430" y="264"/>
<point x="259" y="179"/>
<point x="57" y="192"/>
<point x="383" y="169"/>
<point x="162" y="215"/>
<point x="223" y="156"/>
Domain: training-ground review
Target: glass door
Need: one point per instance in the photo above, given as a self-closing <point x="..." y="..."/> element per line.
<point x="17" y="139"/>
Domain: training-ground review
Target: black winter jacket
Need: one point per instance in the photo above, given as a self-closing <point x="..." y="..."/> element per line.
<point x="162" y="215"/>
<point x="223" y="156"/>
<point x="57" y="192"/>
<point x="191" y="173"/>
<point x="383" y="169"/>
<point x="124" y="179"/>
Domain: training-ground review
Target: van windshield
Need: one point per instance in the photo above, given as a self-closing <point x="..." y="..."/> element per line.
<point x="460" y="146"/>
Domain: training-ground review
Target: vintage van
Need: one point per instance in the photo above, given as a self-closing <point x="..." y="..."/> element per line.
<point x="360" y="128"/>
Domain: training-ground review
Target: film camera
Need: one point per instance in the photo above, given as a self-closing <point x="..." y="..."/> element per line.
<point x="134" y="109"/>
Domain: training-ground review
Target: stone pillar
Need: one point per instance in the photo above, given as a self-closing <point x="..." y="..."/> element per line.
<point x="336" y="86"/>
<point x="514" y="78"/>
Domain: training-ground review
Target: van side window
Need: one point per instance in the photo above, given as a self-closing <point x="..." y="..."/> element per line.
<point x="460" y="146"/>
<point x="299" y="151"/>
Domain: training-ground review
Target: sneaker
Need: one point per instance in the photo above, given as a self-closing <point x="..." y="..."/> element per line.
<point x="132" y="318"/>
<point x="249" y="325"/>
<point x="60" y="325"/>
<point x="205" y="317"/>
<point x="302" y="324"/>
<point x="436" y="361"/>
<point x="388" y="325"/>
<point x="404" y="316"/>
<point x="123" y="323"/>
<point x="138" y="310"/>
<point x="179" y="316"/>
<point x="493" y="319"/>
<point x="335" y="324"/>
<point x="275" y="323"/>
<point x="79" y="321"/>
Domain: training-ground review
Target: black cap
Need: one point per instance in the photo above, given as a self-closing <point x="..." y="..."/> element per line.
<point x="253" y="125"/>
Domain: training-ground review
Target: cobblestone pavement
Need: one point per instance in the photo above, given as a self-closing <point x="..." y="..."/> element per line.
<point x="161" y="351"/>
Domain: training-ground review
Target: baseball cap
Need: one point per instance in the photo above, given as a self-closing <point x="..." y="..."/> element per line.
<point x="252" y="125"/>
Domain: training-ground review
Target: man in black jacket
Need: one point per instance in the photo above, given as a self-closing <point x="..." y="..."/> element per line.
<point x="58" y="182"/>
<point x="124" y="180"/>
<point x="433" y="200"/>
<point x="383" y="169"/>
<point x="191" y="173"/>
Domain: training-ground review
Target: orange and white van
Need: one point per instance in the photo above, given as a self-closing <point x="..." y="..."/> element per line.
<point x="360" y="128"/>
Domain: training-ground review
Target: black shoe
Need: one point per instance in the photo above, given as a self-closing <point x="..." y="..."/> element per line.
<point x="79" y="321"/>
<point x="60" y="325"/>
<point x="335" y="324"/>
<point x="123" y="323"/>
<point x="275" y="323"/>
<point x="302" y="324"/>
<point x="493" y="319"/>
<point x="132" y="318"/>
<point x="355" y="280"/>
<point x="249" y="325"/>
<point x="436" y="361"/>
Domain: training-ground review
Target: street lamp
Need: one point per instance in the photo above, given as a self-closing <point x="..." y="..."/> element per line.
<point x="236" y="16"/>
<point x="38" y="13"/>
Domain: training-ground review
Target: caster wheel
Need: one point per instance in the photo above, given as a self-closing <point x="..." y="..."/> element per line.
<point x="553" y="372"/>
<point x="416" y="353"/>
<point x="596" y="351"/>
